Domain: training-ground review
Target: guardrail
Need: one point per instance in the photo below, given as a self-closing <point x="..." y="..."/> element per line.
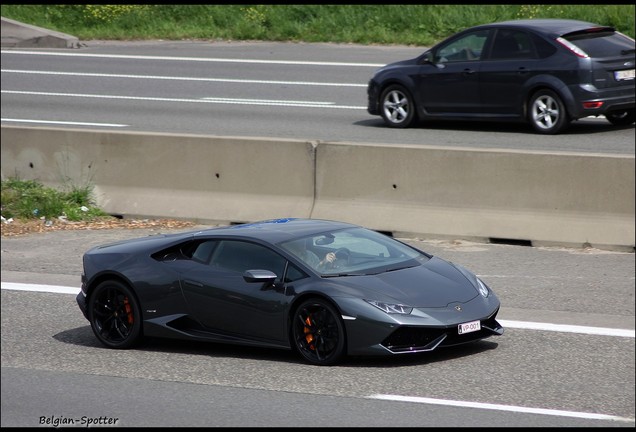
<point x="538" y="198"/>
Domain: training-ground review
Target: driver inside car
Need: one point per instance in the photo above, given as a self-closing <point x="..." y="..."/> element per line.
<point x="299" y="249"/>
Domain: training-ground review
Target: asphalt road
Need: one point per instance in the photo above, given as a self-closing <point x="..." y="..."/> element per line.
<point x="257" y="89"/>
<point x="54" y="368"/>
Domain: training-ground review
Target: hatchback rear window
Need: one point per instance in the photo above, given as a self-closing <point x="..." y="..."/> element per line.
<point x="601" y="44"/>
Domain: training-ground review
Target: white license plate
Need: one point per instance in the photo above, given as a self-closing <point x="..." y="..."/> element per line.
<point x="624" y="75"/>
<point x="468" y="327"/>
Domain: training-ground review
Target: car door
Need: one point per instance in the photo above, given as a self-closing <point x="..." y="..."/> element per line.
<point x="222" y="301"/>
<point x="512" y="60"/>
<point x="451" y="84"/>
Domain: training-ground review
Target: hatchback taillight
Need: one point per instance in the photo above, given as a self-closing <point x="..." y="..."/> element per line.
<point x="575" y="50"/>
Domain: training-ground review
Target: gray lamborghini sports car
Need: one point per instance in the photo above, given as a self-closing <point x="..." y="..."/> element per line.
<point x="324" y="289"/>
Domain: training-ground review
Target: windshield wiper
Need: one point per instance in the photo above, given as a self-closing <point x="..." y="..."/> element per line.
<point x="392" y="270"/>
<point x="398" y="268"/>
<point x="342" y="274"/>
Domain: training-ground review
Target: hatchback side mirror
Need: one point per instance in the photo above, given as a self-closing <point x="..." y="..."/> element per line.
<point x="426" y="58"/>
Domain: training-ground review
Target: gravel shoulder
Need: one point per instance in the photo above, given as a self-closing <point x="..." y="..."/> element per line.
<point x="20" y="227"/>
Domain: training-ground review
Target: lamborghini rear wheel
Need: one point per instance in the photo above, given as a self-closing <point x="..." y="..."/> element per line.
<point x="318" y="332"/>
<point x="114" y="315"/>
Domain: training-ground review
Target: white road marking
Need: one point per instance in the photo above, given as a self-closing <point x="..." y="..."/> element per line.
<point x="63" y="122"/>
<point x="568" y="328"/>
<point x="192" y="59"/>
<point x="303" y="104"/>
<point x="170" y="78"/>
<point x="488" y="406"/>
<point x="41" y="288"/>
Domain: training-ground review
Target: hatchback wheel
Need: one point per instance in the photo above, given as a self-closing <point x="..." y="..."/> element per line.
<point x="397" y="107"/>
<point x="114" y="315"/>
<point x="547" y="113"/>
<point x="621" y="118"/>
<point x="318" y="333"/>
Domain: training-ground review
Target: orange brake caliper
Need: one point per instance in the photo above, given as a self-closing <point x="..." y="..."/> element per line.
<point x="308" y="336"/>
<point x="128" y="309"/>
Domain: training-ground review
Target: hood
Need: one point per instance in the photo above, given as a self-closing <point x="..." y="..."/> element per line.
<point x="433" y="284"/>
<point x="398" y="64"/>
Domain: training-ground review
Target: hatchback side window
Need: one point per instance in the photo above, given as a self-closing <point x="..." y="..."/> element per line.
<point x="466" y="48"/>
<point x="544" y="48"/>
<point x="510" y="44"/>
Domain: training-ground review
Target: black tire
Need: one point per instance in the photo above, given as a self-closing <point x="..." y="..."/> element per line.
<point x="397" y="107"/>
<point x="114" y="314"/>
<point x="547" y="113"/>
<point x="317" y="333"/>
<point x="621" y="118"/>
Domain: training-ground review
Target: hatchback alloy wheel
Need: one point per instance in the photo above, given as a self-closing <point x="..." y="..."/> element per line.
<point x="547" y="112"/>
<point x="398" y="107"/>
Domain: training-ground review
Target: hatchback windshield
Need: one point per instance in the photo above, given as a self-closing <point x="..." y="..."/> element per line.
<point x="353" y="251"/>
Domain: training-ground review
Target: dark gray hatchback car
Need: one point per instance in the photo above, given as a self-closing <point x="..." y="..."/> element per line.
<point x="546" y="72"/>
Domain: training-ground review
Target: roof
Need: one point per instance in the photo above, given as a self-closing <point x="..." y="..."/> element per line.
<point x="277" y="230"/>
<point x="551" y="26"/>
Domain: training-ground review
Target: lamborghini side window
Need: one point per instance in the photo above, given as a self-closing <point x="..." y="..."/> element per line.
<point x="203" y="252"/>
<point x="294" y="273"/>
<point x="240" y="256"/>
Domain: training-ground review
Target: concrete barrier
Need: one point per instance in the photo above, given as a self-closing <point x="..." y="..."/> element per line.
<point x="538" y="198"/>
<point x="19" y="35"/>
<point x="221" y="179"/>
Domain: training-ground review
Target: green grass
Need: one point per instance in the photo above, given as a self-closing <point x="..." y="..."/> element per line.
<point x="30" y="199"/>
<point x="408" y="24"/>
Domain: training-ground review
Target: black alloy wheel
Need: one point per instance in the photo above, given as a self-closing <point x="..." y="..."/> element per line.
<point x="318" y="333"/>
<point x="621" y="118"/>
<point x="547" y="113"/>
<point x="114" y="315"/>
<point x="397" y="107"/>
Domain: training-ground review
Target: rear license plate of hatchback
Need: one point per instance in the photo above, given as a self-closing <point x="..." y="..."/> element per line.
<point x="469" y="327"/>
<point x="623" y="75"/>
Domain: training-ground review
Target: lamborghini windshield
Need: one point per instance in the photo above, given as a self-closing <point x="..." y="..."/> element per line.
<point x="353" y="251"/>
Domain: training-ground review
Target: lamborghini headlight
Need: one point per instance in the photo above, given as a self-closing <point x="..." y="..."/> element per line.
<point x="391" y="308"/>
<point x="474" y="280"/>
<point x="483" y="288"/>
